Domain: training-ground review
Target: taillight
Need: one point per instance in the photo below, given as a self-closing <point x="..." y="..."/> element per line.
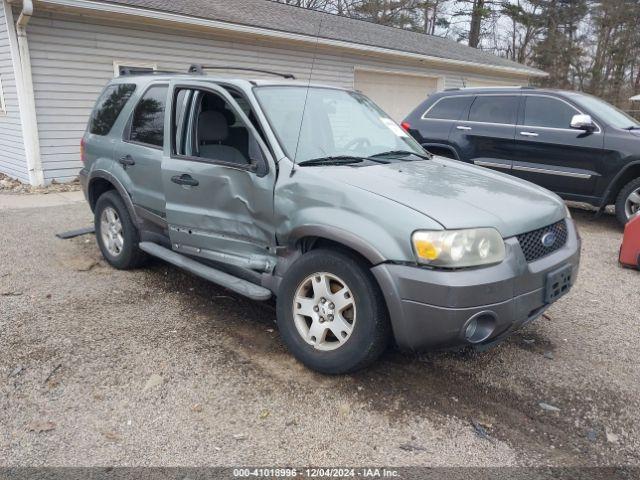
<point x="82" y="157"/>
<point x="406" y="126"/>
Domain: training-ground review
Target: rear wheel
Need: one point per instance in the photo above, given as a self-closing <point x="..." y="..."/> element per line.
<point x="628" y="201"/>
<point x="331" y="313"/>
<point x="116" y="234"/>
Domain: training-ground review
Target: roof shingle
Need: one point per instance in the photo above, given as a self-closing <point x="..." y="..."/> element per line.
<point x="286" y="18"/>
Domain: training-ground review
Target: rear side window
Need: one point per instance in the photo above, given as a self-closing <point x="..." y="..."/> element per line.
<point x="547" y="112"/>
<point x="109" y="106"/>
<point x="494" y="109"/>
<point x="147" y="125"/>
<point x="451" y="108"/>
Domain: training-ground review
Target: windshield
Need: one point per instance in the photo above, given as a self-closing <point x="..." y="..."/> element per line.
<point x="336" y="123"/>
<point x="605" y="111"/>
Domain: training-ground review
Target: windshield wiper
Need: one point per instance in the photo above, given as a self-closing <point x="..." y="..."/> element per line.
<point x="338" y="160"/>
<point x="633" y="127"/>
<point x="400" y="153"/>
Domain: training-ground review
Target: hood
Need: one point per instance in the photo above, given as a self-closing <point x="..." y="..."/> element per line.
<point x="458" y="195"/>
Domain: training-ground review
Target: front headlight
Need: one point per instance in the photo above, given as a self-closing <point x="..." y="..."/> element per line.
<point x="458" y="248"/>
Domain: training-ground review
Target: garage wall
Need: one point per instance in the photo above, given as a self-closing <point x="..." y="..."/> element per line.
<point x="72" y="60"/>
<point x="12" y="156"/>
<point x="397" y="94"/>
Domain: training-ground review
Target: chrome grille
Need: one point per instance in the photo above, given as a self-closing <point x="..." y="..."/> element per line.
<point x="532" y="244"/>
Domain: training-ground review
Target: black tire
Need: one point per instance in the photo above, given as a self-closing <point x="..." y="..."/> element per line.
<point x="371" y="331"/>
<point x="621" y="200"/>
<point x="130" y="255"/>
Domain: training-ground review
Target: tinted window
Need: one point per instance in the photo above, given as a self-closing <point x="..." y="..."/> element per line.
<point x="451" y="108"/>
<point x="494" y="109"/>
<point x="108" y="107"/>
<point x="547" y="112"/>
<point x="147" y="125"/>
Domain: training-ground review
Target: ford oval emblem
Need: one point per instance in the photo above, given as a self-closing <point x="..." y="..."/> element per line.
<point x="548" y="239"/>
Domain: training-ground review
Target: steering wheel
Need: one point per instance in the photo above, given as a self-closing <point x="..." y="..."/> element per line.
<point x="354" y="144"/>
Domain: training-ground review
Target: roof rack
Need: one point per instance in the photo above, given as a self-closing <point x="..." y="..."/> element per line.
<point x="199" y="70"/>
<point x="125" y="72"/>
<point x="496" y="87"/>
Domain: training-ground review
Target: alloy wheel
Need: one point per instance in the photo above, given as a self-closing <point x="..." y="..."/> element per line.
<point x="632" y="204"/>
<point x="111" y="231"/>
<point x="324" y="311"/>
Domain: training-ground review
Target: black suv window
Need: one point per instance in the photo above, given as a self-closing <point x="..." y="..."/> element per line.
<point x="108" y="107"/>
<point x="147" y="125"/>
<point x="451" y="108"/>
<point x="547" y="112"/>
<point x="494" y="109"/>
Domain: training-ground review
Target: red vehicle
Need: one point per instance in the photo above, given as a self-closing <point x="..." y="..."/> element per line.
<point x="630" y="249"/>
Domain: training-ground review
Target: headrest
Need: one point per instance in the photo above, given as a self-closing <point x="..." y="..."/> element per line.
<point x="214" y="102"/>
<point x="212" y="127"/>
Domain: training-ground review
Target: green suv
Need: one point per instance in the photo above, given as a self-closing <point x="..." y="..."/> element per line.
<point x="314" y="195"/>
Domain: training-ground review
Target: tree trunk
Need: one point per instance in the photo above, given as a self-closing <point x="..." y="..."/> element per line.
<point x="476" y="23"/>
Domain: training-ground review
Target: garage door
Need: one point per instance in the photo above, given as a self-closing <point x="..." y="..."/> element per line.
<point x="396" y="94"/>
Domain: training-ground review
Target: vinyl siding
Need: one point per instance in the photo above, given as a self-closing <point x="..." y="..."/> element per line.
<point x="72" y="59"/>
<point x="12" y="157"/>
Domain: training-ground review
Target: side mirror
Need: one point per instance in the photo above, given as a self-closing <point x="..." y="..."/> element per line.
<point x="583" y="122"/>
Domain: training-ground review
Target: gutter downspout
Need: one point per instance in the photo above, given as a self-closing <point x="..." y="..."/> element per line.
<point x="26" y="99"/>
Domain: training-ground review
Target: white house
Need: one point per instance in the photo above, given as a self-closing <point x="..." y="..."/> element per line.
<point x="56" y="56"/>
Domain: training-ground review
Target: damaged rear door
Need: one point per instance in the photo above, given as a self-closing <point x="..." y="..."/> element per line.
<point x="218" y="178"/>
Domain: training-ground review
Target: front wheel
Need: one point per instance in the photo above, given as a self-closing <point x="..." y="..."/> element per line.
<point x="628" y="201"/>
<point x="331" y="313"/>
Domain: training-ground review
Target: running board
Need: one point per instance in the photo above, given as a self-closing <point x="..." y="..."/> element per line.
<point x="235" y="284"/>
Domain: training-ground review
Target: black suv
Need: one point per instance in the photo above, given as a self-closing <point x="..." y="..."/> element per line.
<point x="574" y="144"/>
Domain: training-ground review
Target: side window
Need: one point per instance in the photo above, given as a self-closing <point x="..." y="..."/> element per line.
<point x="451" y="108"/>
<point x="108" y="107"/>
<point x="147" y="125"/>
<point x="494" y="109"/>
<point x="547" y="112"/>
<point x="214" y="132"/>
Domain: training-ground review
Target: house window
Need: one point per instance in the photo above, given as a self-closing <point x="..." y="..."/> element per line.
<point x="120" y="68"/>
<point x="3" y="107"/>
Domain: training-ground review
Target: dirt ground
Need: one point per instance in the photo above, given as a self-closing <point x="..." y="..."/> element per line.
<point x="157" y="367"/>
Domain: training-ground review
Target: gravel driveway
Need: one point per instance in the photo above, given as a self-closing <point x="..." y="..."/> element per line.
<point x="157" y="367"/>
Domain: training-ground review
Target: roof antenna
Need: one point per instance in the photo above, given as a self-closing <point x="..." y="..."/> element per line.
<point x="306" y="97"/>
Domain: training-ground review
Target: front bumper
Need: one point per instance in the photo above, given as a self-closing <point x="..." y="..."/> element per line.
<point x="431" y="309"/>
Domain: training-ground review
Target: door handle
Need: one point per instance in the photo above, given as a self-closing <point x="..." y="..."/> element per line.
<point x="185" y="179"/>
<point x="528" y="134"/>
<point x="127" y="161"/>
<point x="462" y="127"/>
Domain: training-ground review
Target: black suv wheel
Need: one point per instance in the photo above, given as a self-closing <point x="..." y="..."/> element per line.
<point x="628" y="201"/>
<point x="331" y="314"/>
<point x="116" y="234"/>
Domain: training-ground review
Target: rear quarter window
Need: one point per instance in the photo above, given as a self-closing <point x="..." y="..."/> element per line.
<point x="448" y="108"/>
<point x="108" y="107"/>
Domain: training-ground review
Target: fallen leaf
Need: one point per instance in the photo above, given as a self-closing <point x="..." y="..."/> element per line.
<point x="240" y="436"/>
<point x="197" y="407"/>
<point x="114" y="437"/>
<point x="40" y="426"/>
<point x="264" y="414"/>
